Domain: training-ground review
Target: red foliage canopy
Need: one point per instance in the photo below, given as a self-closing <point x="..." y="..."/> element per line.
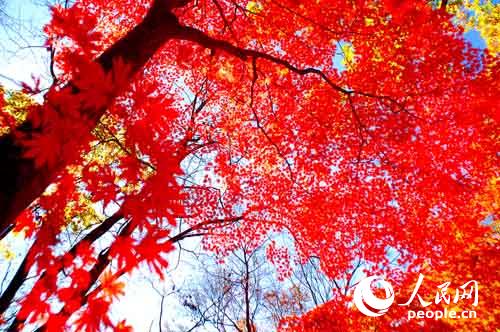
<point x="238" y="119"/>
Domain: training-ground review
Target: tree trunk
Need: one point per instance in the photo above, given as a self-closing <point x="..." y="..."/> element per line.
<point x="21" y="182"/>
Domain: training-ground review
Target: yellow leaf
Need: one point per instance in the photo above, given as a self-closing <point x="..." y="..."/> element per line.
<point x="483" y="16"/>
<point x="6" y="252"/>
<point x="349" y="56"/>
<point x="369" y="22"/>
<point x="254" y="7"/>
<point x="111" y="287"/>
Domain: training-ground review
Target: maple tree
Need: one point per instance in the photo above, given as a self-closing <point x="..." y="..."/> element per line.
<point x="233" y="120"/>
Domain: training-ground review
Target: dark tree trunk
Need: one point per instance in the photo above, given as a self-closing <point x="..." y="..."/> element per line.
<point x="21" y="182"/>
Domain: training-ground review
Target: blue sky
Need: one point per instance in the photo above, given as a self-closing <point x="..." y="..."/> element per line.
<point x="20" y="41"/>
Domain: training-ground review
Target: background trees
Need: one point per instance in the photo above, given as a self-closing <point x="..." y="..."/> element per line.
<point x="358" y="129"/>
<point x="217" y="296"/>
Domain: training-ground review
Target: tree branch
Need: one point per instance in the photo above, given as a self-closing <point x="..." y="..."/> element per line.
<point x="444" y="3"/>
<point x="22" y="272"/>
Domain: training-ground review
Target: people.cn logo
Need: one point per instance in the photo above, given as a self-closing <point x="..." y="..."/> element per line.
<point x="367" y="302"/>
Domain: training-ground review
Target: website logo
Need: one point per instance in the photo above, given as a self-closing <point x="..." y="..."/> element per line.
<point x="370" y="305"/>
<point x="367" y="302"/>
